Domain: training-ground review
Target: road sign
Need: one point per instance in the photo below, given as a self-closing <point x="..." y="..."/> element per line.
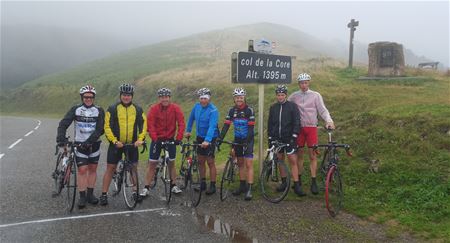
<point x="252" y="67"/>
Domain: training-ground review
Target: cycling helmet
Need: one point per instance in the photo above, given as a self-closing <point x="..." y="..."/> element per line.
<point x="126" y="88"/>
<point x="87" y="89"/>
<point x="303" y="77"/>
<point x="281" y="89"/>
<point x="164" y="92"/>
<point x="239" y="92"/>
<point x="203" y="91"/>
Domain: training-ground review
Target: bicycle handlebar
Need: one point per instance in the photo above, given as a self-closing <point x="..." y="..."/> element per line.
<point x="334" y="145"/>
<point x="131" y="145"/>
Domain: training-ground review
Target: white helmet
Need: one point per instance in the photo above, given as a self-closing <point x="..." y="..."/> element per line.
<point x="87" y="89"/>
<point x="203" y="91"/>
<point x="303" y="77"/>
<point x="239" y="92"/>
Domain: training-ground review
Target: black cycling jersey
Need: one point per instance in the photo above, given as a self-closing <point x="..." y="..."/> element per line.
<point x="284" y="120"/>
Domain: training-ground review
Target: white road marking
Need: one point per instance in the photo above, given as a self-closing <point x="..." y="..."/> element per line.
<point x="30" y="132"/>
<point x="80" y="217"/>
<point x="14" y="144"/>
<point x="1" y="155"/>
<point x="39" y="122"/>
<point x="36" y="127"/>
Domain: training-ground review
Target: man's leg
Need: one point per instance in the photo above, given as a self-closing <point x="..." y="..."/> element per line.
<point x="82" y="184"/>
<point x="249" y="167"/>
<point x="283" y="174"/>
<point x="242" y="177"/>
<point x="202" y="167"/>
<point x="91" y="179"/>
<point x="212" y="175"/>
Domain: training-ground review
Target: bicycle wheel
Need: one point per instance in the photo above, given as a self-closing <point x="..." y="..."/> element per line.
<point x="58" y="175"/>
<point x="130" y="184"/>
<point x="270" y="181"/>
<point x="194" y="182"/>
<point x="229" y="180"/>
<point x="333" y="191"/>
<point x="323" y="169"/>
<point x="117" y="178"/>
<point x="167" y="183"/>
<point x="70" y="183"/>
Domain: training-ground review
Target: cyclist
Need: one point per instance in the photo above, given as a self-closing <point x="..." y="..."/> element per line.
<point x="243" y="119"/>
<point x="125" y="122"/>
<point x="205" y="115"/>
<point x="89" y="121"/>
<point x="310" y="104"/>
<point x="284" y="126"/>
<point x="163" y="120"/>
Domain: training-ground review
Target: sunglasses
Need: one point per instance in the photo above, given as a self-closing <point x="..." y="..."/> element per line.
<point x="88" y="97"/>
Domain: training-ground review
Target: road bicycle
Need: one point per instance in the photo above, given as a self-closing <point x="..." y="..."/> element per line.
<point x="125" y="178"/>
<point x="190" y="172"/>
<point x="162" y="170"/>
<point x="331" y="176"/>
<point x="65" y="173"/>
<point x="270" y="178"/>
<point x="230" y="179"/>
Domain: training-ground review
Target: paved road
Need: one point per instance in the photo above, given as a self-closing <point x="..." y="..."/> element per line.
<point x="29" y="213"/>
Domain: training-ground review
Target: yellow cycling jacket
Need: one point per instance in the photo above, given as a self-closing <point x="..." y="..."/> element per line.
<point x="126" y="124"/>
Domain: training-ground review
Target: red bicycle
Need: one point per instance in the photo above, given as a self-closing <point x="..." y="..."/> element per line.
<point x="331" y="177"/>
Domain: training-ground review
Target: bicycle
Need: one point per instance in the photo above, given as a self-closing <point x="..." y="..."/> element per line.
<point x="163" y="166"/>
<point x="270" y="180"/>
<point x="126" y="179"/>
<point x="65" y="173"/>
<point x="331" y="177"/>
<point x="190" y="172"/>
<point x="230" y="180"/>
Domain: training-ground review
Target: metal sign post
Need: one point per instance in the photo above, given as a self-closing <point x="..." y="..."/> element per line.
<point x="260" y="67"/>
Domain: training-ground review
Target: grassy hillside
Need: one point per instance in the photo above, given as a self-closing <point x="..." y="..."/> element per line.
<point x="402" y="123"/>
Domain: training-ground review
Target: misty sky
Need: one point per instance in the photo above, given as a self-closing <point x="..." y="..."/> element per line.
<point x="419" y="25"/>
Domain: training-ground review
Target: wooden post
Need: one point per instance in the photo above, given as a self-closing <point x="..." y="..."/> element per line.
<point x="352" y="26"/>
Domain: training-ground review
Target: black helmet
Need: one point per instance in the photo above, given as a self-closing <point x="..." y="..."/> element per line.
<point x="164" y="92"/>
<point x="126" y="89"/>
<point x="281" y="89"/>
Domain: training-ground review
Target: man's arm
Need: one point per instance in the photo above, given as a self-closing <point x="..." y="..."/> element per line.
<point x="64" y="124"/>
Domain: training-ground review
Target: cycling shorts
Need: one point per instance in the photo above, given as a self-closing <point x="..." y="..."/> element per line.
<point x="116" y="154"/>
<point x="307" y="135"/>
<point x="239" y="150"/>
<point x="209" y="151"/>
<point x="155" y="151"/>
<point x="85" y="156"/>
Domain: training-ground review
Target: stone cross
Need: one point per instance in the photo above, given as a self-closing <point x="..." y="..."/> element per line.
<point x="352" y="26"/>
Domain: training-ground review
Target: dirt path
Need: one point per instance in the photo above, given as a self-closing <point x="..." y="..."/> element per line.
<point x="289" y="221"/>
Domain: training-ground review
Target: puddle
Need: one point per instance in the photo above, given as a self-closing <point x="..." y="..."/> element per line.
<point x="218" y="227"/>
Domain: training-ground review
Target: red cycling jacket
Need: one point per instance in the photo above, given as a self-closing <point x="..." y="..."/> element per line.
<point x="162" y="122"/>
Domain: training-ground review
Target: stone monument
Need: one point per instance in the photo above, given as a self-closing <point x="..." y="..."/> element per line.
<point x="386" y="59"/>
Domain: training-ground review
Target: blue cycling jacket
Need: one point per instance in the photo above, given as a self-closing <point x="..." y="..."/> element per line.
<point x="206" y="119"/>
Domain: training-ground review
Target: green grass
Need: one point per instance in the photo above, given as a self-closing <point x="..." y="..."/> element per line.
<point x="403" y="123"/>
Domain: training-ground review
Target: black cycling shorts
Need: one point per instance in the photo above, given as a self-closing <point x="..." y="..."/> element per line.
<point x="209" y="151"/>
<point x="115" y="154"/>
<point x="239" y="150"/>
<point x="91" y="155"/>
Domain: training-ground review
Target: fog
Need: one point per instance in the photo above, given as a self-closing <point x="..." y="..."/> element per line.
<point x="420" y="26"/>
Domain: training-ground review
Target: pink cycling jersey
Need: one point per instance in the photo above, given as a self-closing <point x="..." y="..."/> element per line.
<point x="310" y="104"/>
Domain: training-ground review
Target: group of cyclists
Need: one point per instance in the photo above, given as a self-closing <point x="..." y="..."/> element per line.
<point x="292" y="120"/>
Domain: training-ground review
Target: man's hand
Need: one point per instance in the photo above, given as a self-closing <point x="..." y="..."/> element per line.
<point x="205" y="144"/>
<point x="187" y="134"/>
<point x="330" y="125"/>
<point x="138" y="143"/>
<point x="119" y="144"/>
